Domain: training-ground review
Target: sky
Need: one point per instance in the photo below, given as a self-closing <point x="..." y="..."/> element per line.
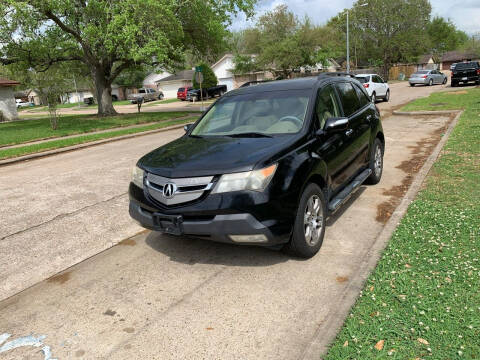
<point x="464" y="13"/>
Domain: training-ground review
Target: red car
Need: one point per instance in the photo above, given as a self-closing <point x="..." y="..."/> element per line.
<point x="182" y="93"/>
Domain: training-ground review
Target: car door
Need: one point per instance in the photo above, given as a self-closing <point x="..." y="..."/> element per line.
<point x="331" y="148"/>
<point x="383" y="84"/>
<point x="382" y="91"/>
<point x="356" y="137"/>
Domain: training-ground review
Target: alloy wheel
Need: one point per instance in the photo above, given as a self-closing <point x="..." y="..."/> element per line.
<point x="313" y="220"/>
<point x="378" y="161"/>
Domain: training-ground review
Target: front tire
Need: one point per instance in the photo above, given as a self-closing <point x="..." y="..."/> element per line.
<point x="444" y="81"/>
<point x="374" y="98"/>
<point x="387" y="96"/>
<point x="430" y="82"/>
<point x="376" y="163"/>
<point x="412" y="85"/>
<point x="309" y="226"/>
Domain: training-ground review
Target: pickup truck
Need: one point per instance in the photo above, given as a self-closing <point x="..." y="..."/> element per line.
<point x="264" y="165"/>
<point x="465" y="72"/>
<point x="194" y="94"/>
<point x="147" y="95"/>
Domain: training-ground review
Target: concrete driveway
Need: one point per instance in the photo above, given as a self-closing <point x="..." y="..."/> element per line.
<point x="154" y="296"/>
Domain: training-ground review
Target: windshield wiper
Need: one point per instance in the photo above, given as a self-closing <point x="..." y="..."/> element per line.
<point x="249" y="135"/>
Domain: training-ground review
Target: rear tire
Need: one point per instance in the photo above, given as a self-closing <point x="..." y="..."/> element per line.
<point x="412" y="85"/>
<point x="376" y="163"/>
<point x="453" y="84"/>
<point x="309" y="226"/>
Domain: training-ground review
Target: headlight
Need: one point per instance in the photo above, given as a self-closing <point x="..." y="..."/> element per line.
<point x="256" y="180"/>
<point x="137" y="176"/>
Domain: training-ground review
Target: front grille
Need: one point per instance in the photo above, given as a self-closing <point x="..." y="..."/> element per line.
<point x="184" y="189"/>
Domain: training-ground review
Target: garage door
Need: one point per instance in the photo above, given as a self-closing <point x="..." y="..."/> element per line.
<point x="226" y="81"/>
<point x="170" y="90"/>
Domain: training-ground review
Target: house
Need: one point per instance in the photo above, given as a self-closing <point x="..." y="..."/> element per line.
<point x="170" y="84"/>
<point x="74" y="97"/>
<point x="223" y="71"/>
<point x="426" y="62"/>
<point x="121" y="92"/>
<point x="8" y="106"/>
<point x="451" y="57"/>
<point x="153" y="78"/>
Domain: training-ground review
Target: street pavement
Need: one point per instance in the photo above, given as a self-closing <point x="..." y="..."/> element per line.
<point x="159" y="297"/>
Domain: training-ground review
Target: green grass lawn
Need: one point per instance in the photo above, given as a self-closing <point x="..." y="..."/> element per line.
<point x="158" y="102"/>
<point x="18" y="132"/>
<point x="56" y="144"/>
<point x="423" y="300"/>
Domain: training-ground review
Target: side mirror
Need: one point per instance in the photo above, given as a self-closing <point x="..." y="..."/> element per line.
<point x="336" y="124"/>
<point x="187" y="127"/>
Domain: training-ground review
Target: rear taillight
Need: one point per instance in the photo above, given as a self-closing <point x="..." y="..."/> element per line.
<point x="424" y="76"/>
<point x="478" y="71"/>
<point x="366" y="86"/>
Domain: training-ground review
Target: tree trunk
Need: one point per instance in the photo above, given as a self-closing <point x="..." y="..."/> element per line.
<point x="104" y="94"/>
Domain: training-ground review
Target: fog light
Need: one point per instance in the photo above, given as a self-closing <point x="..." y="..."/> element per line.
<point x="259" y="238"/>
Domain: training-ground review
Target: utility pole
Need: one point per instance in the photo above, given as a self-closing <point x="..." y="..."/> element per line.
<point x="348" y="46"/>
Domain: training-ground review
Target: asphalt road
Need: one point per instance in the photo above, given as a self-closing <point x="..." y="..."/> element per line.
<point x="155" y="296"/>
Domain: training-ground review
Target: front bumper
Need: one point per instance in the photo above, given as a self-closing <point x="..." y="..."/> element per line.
<point x="240" y="218"/>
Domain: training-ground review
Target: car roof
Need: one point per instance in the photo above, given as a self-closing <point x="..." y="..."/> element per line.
<point x="290" y="84"/>
<point x="277" y="85"/>
<point x="365" y="75"/>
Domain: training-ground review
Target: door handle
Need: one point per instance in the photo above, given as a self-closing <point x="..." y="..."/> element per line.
<point x="369" y="117"/>
<point x="349" y="132"/>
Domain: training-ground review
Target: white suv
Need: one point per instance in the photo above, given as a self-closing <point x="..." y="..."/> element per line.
<point x="375" y="86"/>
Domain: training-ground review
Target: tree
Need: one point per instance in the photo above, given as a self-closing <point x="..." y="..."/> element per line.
<point x="444" y="36"/>
<point x="209" y="78"/>
<point x="133" y="77"/>
<point x="110" y="36"/>
<point x="280" y="42"/>
<point x="387" y="31"/>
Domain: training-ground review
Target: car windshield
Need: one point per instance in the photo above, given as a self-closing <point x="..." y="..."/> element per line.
<point x="181" y="90"/>
<point x="363" y="79"/>
<point x="267" y="113"/>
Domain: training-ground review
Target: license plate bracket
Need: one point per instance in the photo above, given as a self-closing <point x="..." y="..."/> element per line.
<point x="169" y="224"/>
<point x="464" y="78"/>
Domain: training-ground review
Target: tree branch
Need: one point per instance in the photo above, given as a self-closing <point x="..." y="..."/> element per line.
<point x="119" y="69"/>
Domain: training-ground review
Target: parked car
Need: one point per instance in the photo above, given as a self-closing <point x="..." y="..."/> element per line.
<point x="427" y="77"/>
<point x="265" y="165"/>
<point x="194" y="94"/>
<point x="22" y="104"/>
<point x="375" y="86"/>
<point x="182" y="93"/>
<point x="146" y="94"/>
<point x="465" y="72"/>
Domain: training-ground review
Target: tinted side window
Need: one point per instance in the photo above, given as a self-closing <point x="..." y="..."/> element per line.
<point x="326" y="106"/>
<point x="364" y="100"/>
<point x="349" y="98"/>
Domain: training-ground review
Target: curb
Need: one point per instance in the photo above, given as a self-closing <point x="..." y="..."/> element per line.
<point x="85" y="145"/>
<point x="421" y="113"/>
<point x="328" y="330"/>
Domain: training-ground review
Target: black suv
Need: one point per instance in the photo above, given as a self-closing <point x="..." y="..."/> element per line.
<point x="465" y="72"/>
<point x="264" y="165"/>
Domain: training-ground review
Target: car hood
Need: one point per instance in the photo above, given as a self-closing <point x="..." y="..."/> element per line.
<point x="191" y="156"/>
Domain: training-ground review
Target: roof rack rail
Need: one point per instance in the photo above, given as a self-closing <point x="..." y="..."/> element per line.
<point x="339" y="73"/>
<point x="255" y="82"/>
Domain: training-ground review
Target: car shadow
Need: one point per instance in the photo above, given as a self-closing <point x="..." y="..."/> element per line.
<point x="333" y="218"/>
<point x="191" y="251"/>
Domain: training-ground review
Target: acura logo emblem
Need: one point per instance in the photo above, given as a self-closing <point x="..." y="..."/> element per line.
<point x="169" y="190"/>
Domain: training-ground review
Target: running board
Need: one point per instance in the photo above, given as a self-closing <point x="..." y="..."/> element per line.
<point x="349" y="190"/>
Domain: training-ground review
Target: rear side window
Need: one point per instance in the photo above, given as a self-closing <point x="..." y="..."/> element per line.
<point x="141" y="91"/>
<point x="362" y="97"/>
<point x="326" y="106"/>
<point x="363" y="79"/>
<point x="348" y="97"/>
